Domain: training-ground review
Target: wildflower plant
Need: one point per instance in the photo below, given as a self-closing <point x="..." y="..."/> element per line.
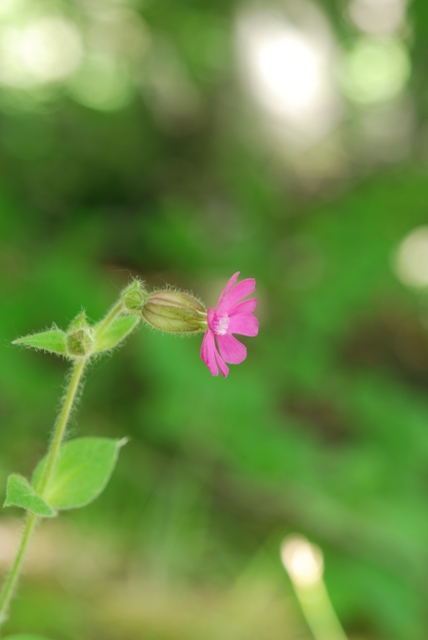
<point x="73" y="473"/>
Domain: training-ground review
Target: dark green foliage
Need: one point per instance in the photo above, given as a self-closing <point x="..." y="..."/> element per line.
<point x="323" y="430"/>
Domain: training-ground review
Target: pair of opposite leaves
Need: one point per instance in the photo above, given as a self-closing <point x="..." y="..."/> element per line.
<point x="84" y="466"/>
<point x="81" y="473"/>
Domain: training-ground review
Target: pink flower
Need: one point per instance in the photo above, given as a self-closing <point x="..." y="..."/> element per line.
<point x="230" y="316"/>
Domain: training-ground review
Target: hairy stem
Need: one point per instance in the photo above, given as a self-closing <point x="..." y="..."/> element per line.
<point x="111" y="315"/>
<point x="52" y="457"/>
<point x="12" y="579"/>
<point x="61" y="425"/>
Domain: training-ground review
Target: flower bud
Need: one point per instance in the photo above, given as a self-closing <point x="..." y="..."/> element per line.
<point x="79" y="343"/>
<point x="79" y="340"/>
<point x="133" y="296"/>
<point x="174" y="312"/>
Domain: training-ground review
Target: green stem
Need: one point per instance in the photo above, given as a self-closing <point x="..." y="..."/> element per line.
<point x="319" y="612"/>
<point x="104" y="324"/>
<point x="61" y="425"/>
<point x="52" y="456"/>
<point x="9" y="586"/>
<point x="68" y="404"/>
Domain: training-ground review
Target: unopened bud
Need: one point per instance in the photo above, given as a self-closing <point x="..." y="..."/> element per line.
<point x="174" y="312"/>
<point x="79" y="343"/>
<point x="79" y="340"/>
<point x="134" y="296"/>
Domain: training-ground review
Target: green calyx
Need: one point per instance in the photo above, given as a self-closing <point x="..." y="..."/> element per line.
<point x="79" y="337"/>
<point x="79" y="343"/>
<point x="174" y="312"/>
<point x="81" y="340"/>
<point x="134" y="296"/>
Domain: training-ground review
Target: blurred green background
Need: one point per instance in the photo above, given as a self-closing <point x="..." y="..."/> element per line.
<point x="181" y="141"/>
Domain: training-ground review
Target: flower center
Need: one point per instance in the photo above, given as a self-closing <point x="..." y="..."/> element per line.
<point x="220" y="323"/>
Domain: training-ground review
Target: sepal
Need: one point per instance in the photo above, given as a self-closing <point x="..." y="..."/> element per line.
<point x="79" y="322"/>
<point x="79" y="339"/>
<point x="134" y="296"/>
<point x="174" y="312"/>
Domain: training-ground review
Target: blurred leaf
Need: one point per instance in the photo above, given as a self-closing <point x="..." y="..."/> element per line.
<point x="21" y="494"/>
<point x="81" y="473"/>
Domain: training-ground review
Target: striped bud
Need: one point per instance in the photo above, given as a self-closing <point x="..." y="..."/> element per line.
<point x="174" y="312"/>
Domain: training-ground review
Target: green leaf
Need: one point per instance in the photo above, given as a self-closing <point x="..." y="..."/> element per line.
<point x="83" y="469"/>
<point x="52" y="341"/>
<point x="25" y="636"/>
<point x="20" y="493"/>
<point x="115" y="332"/>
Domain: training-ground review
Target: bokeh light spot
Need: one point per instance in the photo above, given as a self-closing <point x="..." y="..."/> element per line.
<point x="411" y="260"/>
<point x="102" y="83"/>
<point x="284" y="68"/>
<point x="288" y="70"/>
<point x="287" y="66"/>
<point x="378" y="16"/>
<point x="376" y="70"/>
<point x="47" y="50"/>
<point x="303" y="560"/>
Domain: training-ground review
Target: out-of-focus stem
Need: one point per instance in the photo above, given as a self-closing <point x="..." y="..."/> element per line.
<point x="9" y="586"/>
<point x="304" y="563"/>
<point x="319" y="612"/>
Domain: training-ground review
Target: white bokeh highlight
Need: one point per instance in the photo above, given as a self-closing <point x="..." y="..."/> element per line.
<point x="411" y="259"/>
<point x="46" y="50"/>
<point x="303" y="560"/>
<point x="288" y="69"/>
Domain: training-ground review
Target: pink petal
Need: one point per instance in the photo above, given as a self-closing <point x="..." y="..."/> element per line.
<point x="231" y="349"/>
<point x="224" y="369"/>
<point x="208" y="352"/>
<point x="236" y="294"/>
<point x="244" y="323"/>
<point x="227" y="288"/>
<point x="248" y="306"/>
